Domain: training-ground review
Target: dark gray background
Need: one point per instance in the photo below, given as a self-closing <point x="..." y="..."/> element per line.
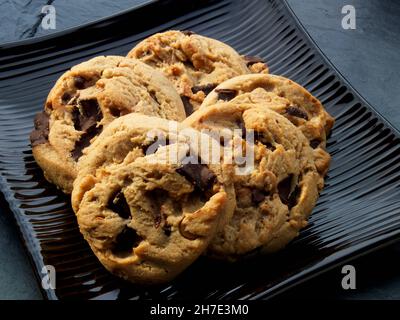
<point x="368" y="57"/>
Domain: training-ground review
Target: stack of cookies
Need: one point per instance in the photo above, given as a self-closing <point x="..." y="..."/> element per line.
<point x="183" y="148"/>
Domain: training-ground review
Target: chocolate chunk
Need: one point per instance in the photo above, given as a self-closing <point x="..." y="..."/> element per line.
<point x="119" y="205"/>
<point x="76" y="118"/>
<point x="250" y="60"/>
<point x="315" y="143"/>
<point x="86" y="120"/>
<point x="41" y="121"/>
<point x="198" y="174"/>
<point x="166" y="229"/>
<point x="188" y="32"/>
<point x="66" y="97"/>
<point x="87" y="115"/>
<point x="258" y="196"/>
<point x="115" y="112"/>
<point x="188" y="106"/>
<point x="288" y="196"/>
<point x="89" y="122"/>
<point x="259" y="137"/>
<point x="38" y="137"/>
<point x="293" y="197"/>
<point x="84" y="141"/>
<point x="91" y="113"/>
<point x="189" y="64"/>
<point x="80" y="82"/>
<point x="40" y="134"/>
<point x="205" y="88"/>
<point x="126" y="241"/>
<point x="284" y="189"/>
<point x="197" y="194"/>
<point x="154" y="97"/>
<point x="269" y="146"/>
<point x="226" y="94"/>
<point x="296" y="112"/>
<point x="186" y="234"/>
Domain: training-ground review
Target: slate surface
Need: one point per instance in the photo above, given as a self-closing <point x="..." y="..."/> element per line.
<point x="368" y="57"/>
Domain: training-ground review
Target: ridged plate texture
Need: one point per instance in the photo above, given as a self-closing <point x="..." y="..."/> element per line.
<point x="358" y="211"/>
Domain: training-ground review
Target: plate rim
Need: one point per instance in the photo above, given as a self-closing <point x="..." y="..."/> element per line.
<point x="35" y="40"/>
<point x="28" y="245"/>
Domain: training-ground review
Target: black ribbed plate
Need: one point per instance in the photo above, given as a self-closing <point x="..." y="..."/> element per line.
<point x="359" y="209"/>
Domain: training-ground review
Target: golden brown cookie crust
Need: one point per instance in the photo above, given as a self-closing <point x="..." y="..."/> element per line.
<point x="170" y="218"/>
<point x="194" y="63"/>
<point x="285" y="97"/>
<point x="86" y="99"/>
<point x="275" y="199"/>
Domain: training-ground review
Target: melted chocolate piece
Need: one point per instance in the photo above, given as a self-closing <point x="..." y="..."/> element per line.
<point x="76" y="118"/>
<point x="167" y="229"/>
<point x="259" y="137"/>
<point x="188" y="106"/>
<point x="284" y="189"/>
<point x="294" y="197"/>
<point x="198" y="174"/>
<point x="296" y="112"/>
<point x="250" y="60"/>
<point x="86" y="120"/>
<point x="40" y="134"/>
<point x="66" y="97"/>
<point x="287" y="197"/>
<point x="189" y="64"/>
<point x="80" y="82"/>
<point x="154" y="97"/>
<point x="205" y="88"/>
<point x="258" y="196"/>
<point x="119" y="205"/>
<point x="188" y="32"/>
<point x="269" y="146"/>
<point x="186" y="234"/>
<point x="115" y="112"/>
<point x="87" y="115"/>
<point x="226" y="94"/>
<point x="90" y="114"/>
<point x="315" y="143"/>
<point x="199" y="195"/>
<point x="84" y="141"/>
<point x="126" y="241"/>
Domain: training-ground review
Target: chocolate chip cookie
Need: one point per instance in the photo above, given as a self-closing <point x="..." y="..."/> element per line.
<point x="194" y="63"/>
<point x="85" y="100"/>
<point x="152" y="203"/>
<point x="287" y="98"/>
<point x="256" y="64"/>
<point x="280" y="189"/>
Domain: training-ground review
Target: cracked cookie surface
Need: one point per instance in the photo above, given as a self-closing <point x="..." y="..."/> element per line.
<point x="194" y="63"/>
<point x="276" y="195"/>
<point x="285" y="97"/>
<point x="85" y="100"/>
<point x="146" y="210"/>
